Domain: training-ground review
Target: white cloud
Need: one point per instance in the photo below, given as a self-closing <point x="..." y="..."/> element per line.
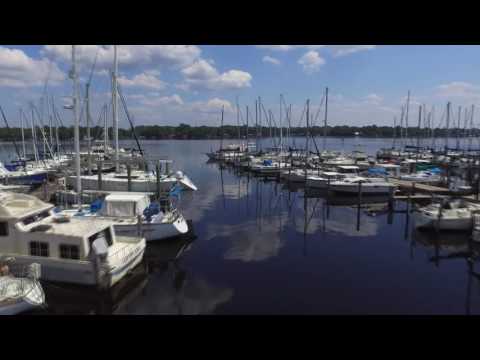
<point x="311" y="62"/>
<point x="277" y="47"/>
<point x="128" y="55"/>
<point x="164" y="100"/>
<point x="342" y="50"/>
<point x="201" y="74"/>
<point x="373" y="99"/>
<point x="144" y="80"/>
<point x="289" y="47"/>
<point x="271" y="60"/>
<point x="459" y="90"/>
<point x="17" y="69"/>
<point x="212" y="106"/>
<point x="337" y="50"/>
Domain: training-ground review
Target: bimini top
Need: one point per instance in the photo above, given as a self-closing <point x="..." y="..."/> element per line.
<point x="125" y="204"/>
<point x="14" y="205"/>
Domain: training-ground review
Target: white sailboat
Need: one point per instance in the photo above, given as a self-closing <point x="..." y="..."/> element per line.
<point x="142" y="181"/>
<point x="133" y="213"/>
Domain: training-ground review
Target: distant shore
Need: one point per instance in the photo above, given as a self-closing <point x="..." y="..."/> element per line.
<point x="187" y="132"/>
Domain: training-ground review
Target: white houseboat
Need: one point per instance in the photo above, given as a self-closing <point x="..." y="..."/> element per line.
<point x="69" y="250"/>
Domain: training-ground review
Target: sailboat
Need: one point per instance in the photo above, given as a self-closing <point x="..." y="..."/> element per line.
<point x="133" y="213"/>
<point x="141" y="180"/>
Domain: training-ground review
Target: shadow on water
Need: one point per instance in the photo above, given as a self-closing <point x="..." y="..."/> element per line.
<point x="69" y="299"/>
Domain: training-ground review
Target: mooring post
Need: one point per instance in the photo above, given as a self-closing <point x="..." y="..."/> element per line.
<point x="99" y="174"/>
<point x="359" y="204"/>
<point x="45" y="190"/>
<point x="167" y="168"/>
<point x="129" y="177"/>
<point x="391" y="207"/>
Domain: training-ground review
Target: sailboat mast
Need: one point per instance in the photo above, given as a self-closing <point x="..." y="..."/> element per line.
<point x="406" y="117"/>
<point x="247" y="128"/>
<point x="325" y="121"/>
<point x="34" y="139"/>
<point x="23" y="134"/>
<point x="448" y="125"/>
<point x="221" y="130"/>
<point x="307" y="147"/>
<point x="260" y="119"/>
<point x="114" y="106"/>
<point x="89" y="143"/>
<point x="281" y="126"/>
<point x="105" y="129"/>
<point x="471" y="129"/>
<point x="73" y="76"/>
<point x="458" y="126"/>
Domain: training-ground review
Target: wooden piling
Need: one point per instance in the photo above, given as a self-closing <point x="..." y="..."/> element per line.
<point x="359" y="204"/>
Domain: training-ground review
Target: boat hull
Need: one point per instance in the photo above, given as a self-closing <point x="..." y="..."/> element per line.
<point x="366" y="189"/>
<point x="155" y="231"/>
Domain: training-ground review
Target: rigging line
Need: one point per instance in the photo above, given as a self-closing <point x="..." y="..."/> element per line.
<point x="42" y="128"/>
<point x="320" y="107"/>
<point x="130" y="119"/>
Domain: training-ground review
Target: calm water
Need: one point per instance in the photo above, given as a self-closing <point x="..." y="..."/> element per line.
<point x="261" y="248"/>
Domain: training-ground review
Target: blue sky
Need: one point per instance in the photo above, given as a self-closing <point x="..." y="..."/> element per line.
<point x="167" y="85"/>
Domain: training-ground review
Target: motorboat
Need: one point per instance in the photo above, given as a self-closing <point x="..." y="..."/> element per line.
<point x="449" y="214"/>
<point x="69" y="250"/>
<point x="20" y="291"/>
<point x="322" y="180"/>
<point x="423" y="177"/>
<point x="353" y="185"/>
<point x="22" y="177"/>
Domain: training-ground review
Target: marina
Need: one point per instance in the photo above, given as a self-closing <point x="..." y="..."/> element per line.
<point x="268" y="214"/>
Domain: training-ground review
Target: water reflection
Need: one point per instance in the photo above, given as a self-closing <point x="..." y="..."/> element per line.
<point x="453" y="246"/>
<point x="172" y="289"/>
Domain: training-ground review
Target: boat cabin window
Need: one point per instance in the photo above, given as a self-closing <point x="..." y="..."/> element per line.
<point x="106" y="234"/>
<point x="69" y="252"/>
<point x="38" y="248"/>
<point x="34" y="218"/>
<point x="3" y="229"/>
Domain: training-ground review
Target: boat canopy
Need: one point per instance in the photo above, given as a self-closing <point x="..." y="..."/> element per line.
<point x="127" y="204"/>
<point x="377" y="171"/>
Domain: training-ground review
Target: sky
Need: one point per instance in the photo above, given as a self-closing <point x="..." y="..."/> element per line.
<point x="173" y="84"/>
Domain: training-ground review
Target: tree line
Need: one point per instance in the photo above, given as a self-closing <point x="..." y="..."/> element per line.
<point x="184" y="131"/>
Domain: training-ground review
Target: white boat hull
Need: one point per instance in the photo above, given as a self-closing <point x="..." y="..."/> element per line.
<point x="155" y="231"/>
<point x="115" y="184"/>
<point x="428" y="222"/>
<point x="366" y="188"/>
<point x="31" y="296"/>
